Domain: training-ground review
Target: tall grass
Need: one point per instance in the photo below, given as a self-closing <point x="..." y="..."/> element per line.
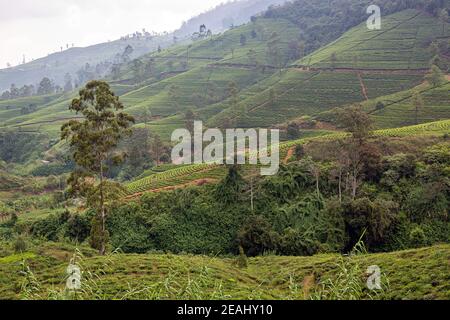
<point x="350" y="280"/>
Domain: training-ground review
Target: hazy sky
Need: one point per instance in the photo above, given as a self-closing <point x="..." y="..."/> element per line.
<point x="39" y="27"/>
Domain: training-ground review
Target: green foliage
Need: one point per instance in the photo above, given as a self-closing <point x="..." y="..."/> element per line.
<point x="93" y="140"/>
<point x="242" y="260"/>
<point x="20" y="245"/>
<point x="18" y="147"/>
<point x="435" y="77"/>
<point x="188" y="220"/>
<point x="417" y="237"/>
<point x="412" y="274"/>
<point x="61" y="226"/>
<point x="347" y="284"/>
<point x="257" y="236"/>
<point x="52" y="169"/>
<point x="229" y="190"/>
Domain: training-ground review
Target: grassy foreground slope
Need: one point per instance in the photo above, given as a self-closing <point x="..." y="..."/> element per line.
<point x="412" y="274"/>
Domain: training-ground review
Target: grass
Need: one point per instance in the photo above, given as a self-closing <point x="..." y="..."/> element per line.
<point x="411" y="274"/>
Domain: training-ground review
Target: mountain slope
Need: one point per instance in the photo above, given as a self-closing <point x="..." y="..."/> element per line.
<point x="398" y="109"/>
<point x="312" y="85"/>
<point x="56" y="65"/>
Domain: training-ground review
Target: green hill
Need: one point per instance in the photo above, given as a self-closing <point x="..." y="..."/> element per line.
<point x="312" y="85"/>
<point x="401" y="43"/>
<point x="196" y="77"/>
<point x="70" y="60"/>
<point x="411" y="274"/>
<point x="274" y="87"/>
<point x="398" y="109"/>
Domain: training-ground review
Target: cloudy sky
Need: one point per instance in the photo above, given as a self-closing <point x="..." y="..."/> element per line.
<point x="35" y="28"/>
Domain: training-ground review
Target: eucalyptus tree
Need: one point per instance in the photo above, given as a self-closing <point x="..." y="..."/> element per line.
<point x="93" y="141"/>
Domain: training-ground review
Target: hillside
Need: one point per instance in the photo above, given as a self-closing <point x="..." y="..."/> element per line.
<point x="56" y="65"/>
<point x="399" y="109"/>
<point x="226" y="15"/>
<point x="176" y="82"/>
<point x="412" y="274"/>
<point x="361" y="172"/>
<point x="196" y="77"/>
<point x="311" y="85"/>
<point x="183" y="176"/>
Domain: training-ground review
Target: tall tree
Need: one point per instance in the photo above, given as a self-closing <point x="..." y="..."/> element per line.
<point x="243" y="40"/>
<point x="93" y="141"/>
<point x="417" y="101"/>
<point x="333" y="60"/>
<point x="443" y="15"/>
<point x="45" y="86"/>
<point x="157" y="149"/>
<point x="354" y="120"/>
<point x="435" y="77"/>
<point x="68" y="83"/>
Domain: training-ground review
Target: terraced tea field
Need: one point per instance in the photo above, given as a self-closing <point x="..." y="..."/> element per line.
<point x="400" y="111"/>
<point x="400" y="44"/>
<point x="178" y="176"/>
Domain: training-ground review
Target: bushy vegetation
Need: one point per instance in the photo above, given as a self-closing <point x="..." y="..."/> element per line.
<point x="311" y="206"/>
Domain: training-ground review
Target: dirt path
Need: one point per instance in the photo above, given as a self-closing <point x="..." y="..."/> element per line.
<point x="45" y="122"/>
<point x="363" y="87"/>
<point x="289" y="155"/>
<point x="198" y="182"/>
<point x="363" y="71"/>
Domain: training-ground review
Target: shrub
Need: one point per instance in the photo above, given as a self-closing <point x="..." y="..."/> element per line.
<point x="417" y="237"/>
<point x="78" y="227"/>
<point x="257" y="236"/>
<point x="242" y="259"/>
<point x="20" y="245"/>
<point x="380" y="105"/>
<point x="295" y="243"/>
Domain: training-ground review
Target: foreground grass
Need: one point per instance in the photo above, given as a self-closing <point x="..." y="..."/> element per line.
<point x="412" y="274"/>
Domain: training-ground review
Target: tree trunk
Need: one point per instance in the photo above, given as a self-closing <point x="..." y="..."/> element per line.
<point x="340" y="185"/>
<point x="317" y="186"/>
<point x="102" y="250"/>
<point x="354" y="186"/>
<point x="417" y="115"/>
<point x="251" y="196"/>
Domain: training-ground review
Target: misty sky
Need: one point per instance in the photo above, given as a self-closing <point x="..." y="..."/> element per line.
<point x="39" y="27"/>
